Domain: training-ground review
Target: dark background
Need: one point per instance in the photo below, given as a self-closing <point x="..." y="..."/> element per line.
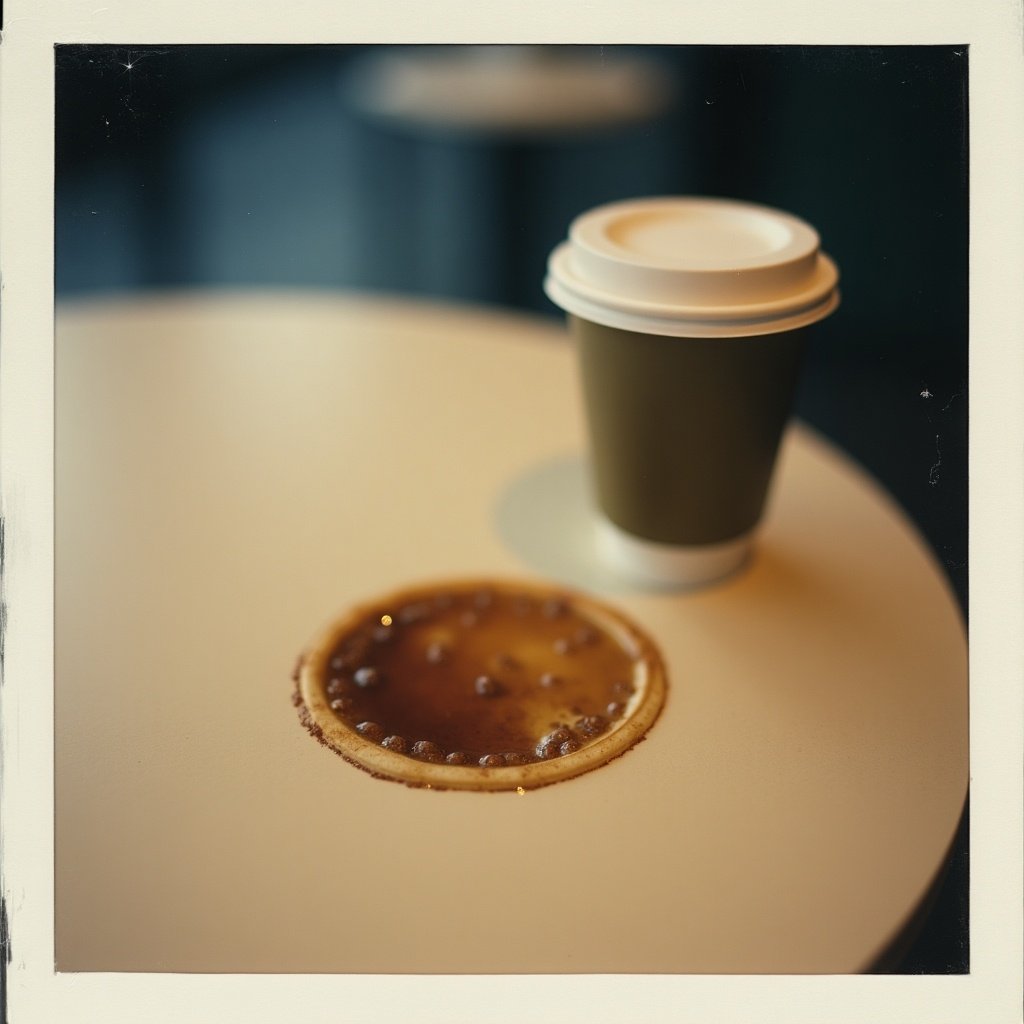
<point x="249" y="166"/>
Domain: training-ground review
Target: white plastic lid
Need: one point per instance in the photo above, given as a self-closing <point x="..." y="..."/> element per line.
<point x="693" y="267"/>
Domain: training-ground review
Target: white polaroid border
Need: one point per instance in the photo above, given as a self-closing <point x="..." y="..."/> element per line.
<point x="992" y="29"/>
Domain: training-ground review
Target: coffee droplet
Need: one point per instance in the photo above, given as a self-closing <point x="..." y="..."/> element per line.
<point x="432" y="685"/>
<point x="590" y="725"/>
<point x="437" y="652"/>
<point x="371" y="730"/>
<point x="366" y="677"/>
<point x="486" y="686"/>
<point x="550" y="745"/>
<point x="427" y="751"/>
<point x="414" y="612"/>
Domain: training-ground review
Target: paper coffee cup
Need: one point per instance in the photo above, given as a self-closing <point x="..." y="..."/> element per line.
<point x="691" y="316"/>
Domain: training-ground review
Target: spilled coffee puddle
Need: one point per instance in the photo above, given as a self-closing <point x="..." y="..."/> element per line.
<point x="480" y="685"/>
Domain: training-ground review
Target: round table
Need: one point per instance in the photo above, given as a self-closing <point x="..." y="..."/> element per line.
<point x="233" y="470"/>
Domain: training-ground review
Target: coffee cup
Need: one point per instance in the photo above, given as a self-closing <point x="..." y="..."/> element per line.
<point x="690" y="316"/>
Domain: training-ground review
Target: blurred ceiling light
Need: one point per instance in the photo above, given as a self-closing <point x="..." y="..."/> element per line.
<point x="508" y="89"/>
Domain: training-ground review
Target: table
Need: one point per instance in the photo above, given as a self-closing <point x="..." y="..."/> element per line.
<point x="234" y="469"/>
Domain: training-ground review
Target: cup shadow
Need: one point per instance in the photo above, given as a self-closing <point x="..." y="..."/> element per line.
<point x="546" y="516"/>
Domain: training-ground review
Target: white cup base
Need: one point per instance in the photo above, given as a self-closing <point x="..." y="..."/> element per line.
<point x="670" y="564"/>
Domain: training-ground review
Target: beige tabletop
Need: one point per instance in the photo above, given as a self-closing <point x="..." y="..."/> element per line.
<point x="234" y="470"/>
